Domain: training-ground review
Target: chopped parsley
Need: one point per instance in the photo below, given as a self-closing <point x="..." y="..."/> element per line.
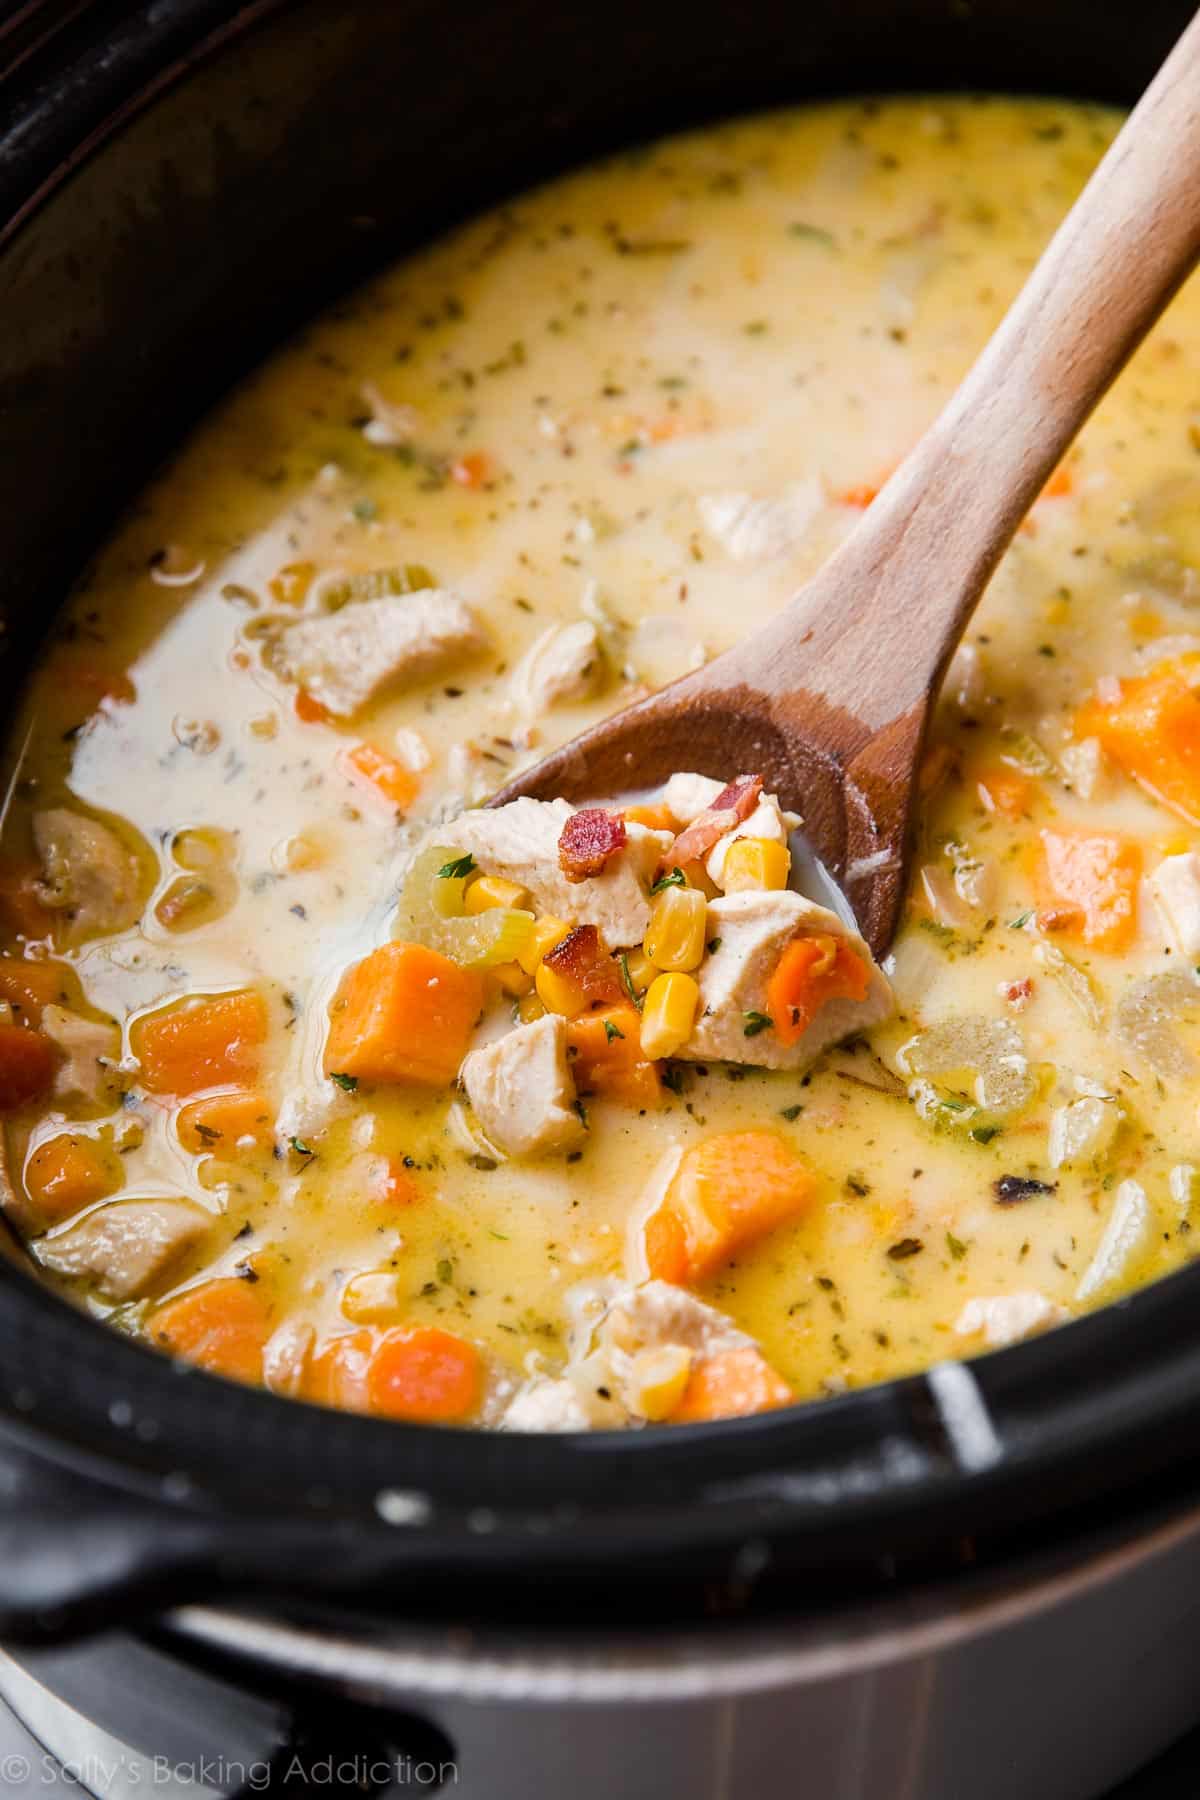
<point x="714" y="944"/>
<point x="909" y="1246"/>
<point x="983" y="1134"/>
<point x="627" y="980"/>
<point x="1021" y="921"/>
<point x="676" y="878"/>
<point x="347" y="1083"/>
<point x="754" y="1022"/>
<point x="300" y="1147"/>
<point x="459" y="869"/>
<point x="955" y="1246"/>
<point x="445" y="1271"/>
<point x="612" y="1031"/>
<point x="791" y="1112"/>
<point x="812" y="234"/>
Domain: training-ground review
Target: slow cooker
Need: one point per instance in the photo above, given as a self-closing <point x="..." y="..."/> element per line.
<point x="982" y="1581"/>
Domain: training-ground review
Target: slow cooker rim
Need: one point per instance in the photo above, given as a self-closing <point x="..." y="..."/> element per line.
<point x="779" y="1474"/>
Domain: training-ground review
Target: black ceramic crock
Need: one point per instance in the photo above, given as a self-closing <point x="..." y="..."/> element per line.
<point x="181" y="182"/>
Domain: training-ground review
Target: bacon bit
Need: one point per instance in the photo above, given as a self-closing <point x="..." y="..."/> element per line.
<point x="588" y="839"/>
<point x="372" y="768"/>
<point x="1058" y="918"/>
<point x="474" y="470"/>
<point x="582" y="960"/>
<point x="1060" y="484"/>
<point x="309" y="710"/>
<point x="1017" y="993"/>
<point x="733" y="804"/>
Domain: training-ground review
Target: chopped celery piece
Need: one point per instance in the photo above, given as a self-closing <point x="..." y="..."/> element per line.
<point x="500" y="935"/>
<point x="430" y="912"/>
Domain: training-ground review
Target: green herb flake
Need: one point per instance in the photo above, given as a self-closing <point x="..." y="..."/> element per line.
<point x="627" y="980"/>
<point x="347" y="1083"/>
<point x="812" y="234"/>
<point x="301" y="1148"/>
<point x="955" y="1246"/>
<point x="445" y="1271"/>
<point x="612" y="1031"/>
<point x="365" y="511"/>
<point x="754" y="1022"/>
<point x="676" y="878"/>
<point x="909" y="1246"/>
<point x="714" y="944"/>
<point x="791" y="1112"/>
<point x="1021" y="921"/>
<point x="983" y="1134"/>
<point x="459" y="869"/>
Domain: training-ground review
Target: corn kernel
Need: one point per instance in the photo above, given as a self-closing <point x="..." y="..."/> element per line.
<point x="493" y="890"/>
<point x="558" y="994"/>
<point x="641" y="970"/>
<point x="371" y="1299"/>
<point x="668" y="1014"/>
<point x="675" y="936"/>
<point x="511" y="979"/>
<point x="657" y="1380"/>
<point x="547" y="932"/>
<point x="530" y="1009"/>
<point x="756" y="863"/>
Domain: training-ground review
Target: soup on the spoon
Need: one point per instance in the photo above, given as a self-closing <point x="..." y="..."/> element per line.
<point x="319" y="1074"/>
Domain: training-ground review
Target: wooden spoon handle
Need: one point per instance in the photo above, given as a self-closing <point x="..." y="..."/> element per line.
<point x="919" y="561"/>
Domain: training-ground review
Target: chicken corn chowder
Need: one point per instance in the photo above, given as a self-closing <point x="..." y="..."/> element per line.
<point x="323" y="1076"/>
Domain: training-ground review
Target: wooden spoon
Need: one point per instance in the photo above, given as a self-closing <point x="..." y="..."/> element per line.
<point x="831" y="700"/>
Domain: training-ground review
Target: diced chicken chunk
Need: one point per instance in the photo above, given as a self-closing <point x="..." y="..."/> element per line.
<point x="654" y="1313"/>
<point x="126" y="1246"/>
<point x="1007" y="1318"/>
<point x="751" y="931"/>
<point x="754" y="529"/>
<point x="343" y="659"/>
<point x="87" y="1076"/>
<point x="1082" y="1130"/>
<point x="687" y="796"/>
<point x="520" y="842"/>
<point x="1175" y="885"/>
<point x="568" y="1402"/>
<point x="566" y="663"/>
<point x="523" y="1092"/>
<point x="89" y="875"/>
<point x="768" y="820"/>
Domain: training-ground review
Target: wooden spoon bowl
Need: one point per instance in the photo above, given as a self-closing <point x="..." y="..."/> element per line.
<point x="831" y="701"/>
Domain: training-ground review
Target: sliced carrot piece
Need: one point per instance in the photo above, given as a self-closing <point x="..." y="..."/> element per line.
<point x="308" y="709"/>
<point x="607" y="1048"/>
<point x="398" y="1186"/>
<point x="213" y="1044"/>
<point x="222" y="1123"/>
<point x="731" y="1385"/>
<point x="387" y="777"/>
<point x="29" y="987"/>
<point x="221" y="1326"/>
<point x="27" y="1063"/>
<point x="474" y="470"/>
<point x="337" y="1375"/>
<point x="1003" y="791"/>
<point x="811" y="972"/>
<point x="403" y="1014"/>
<point x="425" y="1374"/>
<point x="1152" y="731"/>
<point x="68" y="1172"/>
<point x="1090" y="879"/>
<point x="22" y="908"/>
<point x="728" y="1191"/>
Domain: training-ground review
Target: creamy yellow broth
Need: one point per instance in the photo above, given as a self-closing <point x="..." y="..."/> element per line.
<point x="772" y="309"/>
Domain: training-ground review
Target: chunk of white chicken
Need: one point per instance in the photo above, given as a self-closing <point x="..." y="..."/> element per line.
<point x="88" y="1075"/>
<point x="1007" y="1318"/>
<point x="126" y="1246"/>
<point x="523" y="1092"/>
<point x="633" y="1354"/>
<point x="759" y="529"/>
<point x="520" y="842"/>
<point x="686" y="795"/>
<point x="751" y="931"/>
<point x="565" y="664"/>
<point x="345" y="658"/>
<point x="1175" y="885"/>
<point x="88" y="875"/>
<point x="1126" y="1238"/>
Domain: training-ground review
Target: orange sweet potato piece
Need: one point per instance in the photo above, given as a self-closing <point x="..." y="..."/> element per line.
<point x="27" y="1063"/>
<point x="398" y="1186"/>
<point x="1004" y="791"/>
<point x="730" y="1385"/>
<point x="29" y="987"/>
<point x="728" y="1191"/>
<point x="812" y="971"/>
<point x="403" y="1014"/>
<point x="425" y="1374"/>
<point x="22" y="909"/>
<point x="222" y="1123"/>
<point x="382" y="774"/>
<point x="213" y="1044"/>
<point x="608" y="1060"/>
<point x="68" y="1172"/>
<point x="221" y="1326"/>
<point x="1152" y="732"/>
<point x="308" y="709"/>
<point x="1088" y="880"/>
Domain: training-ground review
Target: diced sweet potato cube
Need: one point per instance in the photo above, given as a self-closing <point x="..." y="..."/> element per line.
<point x="1088" y="881"/>
<point x="608" y="1060"/>
<point x="404" y="1015"/>
<point x="1152" y="731"/>
<point x="68" y="1172"/>
<point x="731" y="1385"/>
<point x="221" y="1326"/>
<point x="27" y="1063"/>
<point x="216" y="1043"/>
<point x="728" y="1191"/>
<point x="221" y="1123"/>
